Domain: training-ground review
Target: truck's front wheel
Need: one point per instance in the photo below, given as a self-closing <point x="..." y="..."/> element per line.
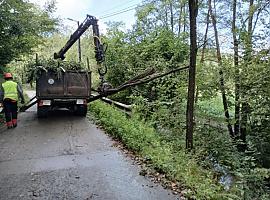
<point x="81" y="110"/>
<point x="42" y="111"/>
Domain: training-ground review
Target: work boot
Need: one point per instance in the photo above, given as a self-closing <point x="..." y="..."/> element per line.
<point x="14" y="122"/>
<point x="9" y="125"/>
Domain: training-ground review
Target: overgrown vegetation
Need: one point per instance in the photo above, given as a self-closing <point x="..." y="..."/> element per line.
<point x="165" y="152"/>
<point x="232" y="97"/>
<point x="34" y="68"/>
<point x="161" y="153"/>
<point x="18" y="36"/>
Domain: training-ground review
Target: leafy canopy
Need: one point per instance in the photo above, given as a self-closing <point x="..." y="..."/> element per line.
<point x="23" y="26"/>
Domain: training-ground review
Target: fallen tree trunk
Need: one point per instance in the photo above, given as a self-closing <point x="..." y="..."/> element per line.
<point x="135" y="81"/>
<point x="116" y="103"/>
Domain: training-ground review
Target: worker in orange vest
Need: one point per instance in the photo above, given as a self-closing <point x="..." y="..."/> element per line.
<point x="10" y="92"/>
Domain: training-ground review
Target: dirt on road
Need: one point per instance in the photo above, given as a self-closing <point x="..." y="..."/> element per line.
<point x="68" y="157"/>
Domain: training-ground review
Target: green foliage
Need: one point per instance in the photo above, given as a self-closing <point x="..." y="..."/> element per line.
<point x="57" y="40"/>
<point x="257" y="93"/>
<point x="130" y="53"/>
<point x="213" y="144"/>
<point x="162" y="154"/>
<point x="165" y="152"/>
<point x="212" y="107"/>
<point x="250" y="181"/>
<point x="18" y="36"/>
<point x="35" y="68"/>
<point x="158" y="40"/>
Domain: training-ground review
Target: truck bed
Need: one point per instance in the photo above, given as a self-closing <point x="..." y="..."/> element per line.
<point x="63" y="85"/>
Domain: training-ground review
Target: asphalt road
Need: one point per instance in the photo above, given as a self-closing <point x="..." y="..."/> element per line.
<point x="68" y="157"/>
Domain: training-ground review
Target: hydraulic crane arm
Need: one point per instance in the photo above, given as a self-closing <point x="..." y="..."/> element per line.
<point x="89" y="21"/>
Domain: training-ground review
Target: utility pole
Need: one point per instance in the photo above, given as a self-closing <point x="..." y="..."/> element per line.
<point x="79" y="40"/>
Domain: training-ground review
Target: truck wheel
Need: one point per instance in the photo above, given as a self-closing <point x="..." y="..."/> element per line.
<point x="42" y="112"/>
<point x="81" y="110"/>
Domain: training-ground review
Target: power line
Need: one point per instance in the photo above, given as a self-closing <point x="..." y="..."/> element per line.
<point x="132" y="7"/>
<point x="118" y="6"/>
<point x="129" y="8"/>
<point x="117" y="13"/>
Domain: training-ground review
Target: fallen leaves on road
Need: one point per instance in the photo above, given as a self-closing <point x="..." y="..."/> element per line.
<point x="150" y="173"/>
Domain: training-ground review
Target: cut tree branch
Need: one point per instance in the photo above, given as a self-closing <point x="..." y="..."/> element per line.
<point x="134" y="81"/>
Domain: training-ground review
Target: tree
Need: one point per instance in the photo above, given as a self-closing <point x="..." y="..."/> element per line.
<point x="252" y="22"/>
<point x="221" y="74"/>
<point x="18" y="36"/>
<point x="193" y="11"/>
<point x="236" y="71"/>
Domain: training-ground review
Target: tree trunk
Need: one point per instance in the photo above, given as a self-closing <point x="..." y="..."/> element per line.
<point x="196" y="96"/>
<point x="247" y="59"/>
<point x="203" y="50"/>
<point x="193" y="7"/>
<point x="221" y="76"/>
<point x="237" y="73"/>
<point x="249" y="32"/>
<point x="166" y="17"/>
<point x="171" y="11"/>
<point x="205" y="35"/>
<point x="185" y="18"/>
<point x="180" y="18"/>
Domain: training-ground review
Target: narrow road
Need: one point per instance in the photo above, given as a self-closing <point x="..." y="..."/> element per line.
<point x="68" y="157"/>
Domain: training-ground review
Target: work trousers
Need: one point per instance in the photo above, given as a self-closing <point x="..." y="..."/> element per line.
<point x="10" y="109"/>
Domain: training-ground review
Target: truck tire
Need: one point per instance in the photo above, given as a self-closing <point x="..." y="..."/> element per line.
<point x="81" y="110"/>
<point x="42" y="112"/>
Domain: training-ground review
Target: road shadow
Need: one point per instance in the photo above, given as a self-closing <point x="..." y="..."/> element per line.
<point x="60" y="113"/>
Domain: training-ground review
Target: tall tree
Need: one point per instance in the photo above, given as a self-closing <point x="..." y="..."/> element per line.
<point x="185" y="18"/>
<point x="205" y="35"/>
<point x="22" y="25"/>
<point x="247" y="59"/>
<point x="193" y="11"/>
<point x="180" y="17"/>
<point x="171" y="14"/>
<point x="221" y="74"/>
<point x="236" y="71"/>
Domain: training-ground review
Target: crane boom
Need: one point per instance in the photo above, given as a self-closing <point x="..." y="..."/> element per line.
<point x="89" y="21"/>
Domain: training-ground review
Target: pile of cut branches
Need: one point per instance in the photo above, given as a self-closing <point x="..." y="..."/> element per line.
<point x="34" y="68"/>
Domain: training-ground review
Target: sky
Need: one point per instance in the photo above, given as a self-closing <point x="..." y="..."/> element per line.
<point x="78" y="9"/>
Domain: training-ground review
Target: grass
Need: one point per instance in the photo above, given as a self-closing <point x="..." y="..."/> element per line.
<point x="213" y="108"/>
<point x="163" y="154"/>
